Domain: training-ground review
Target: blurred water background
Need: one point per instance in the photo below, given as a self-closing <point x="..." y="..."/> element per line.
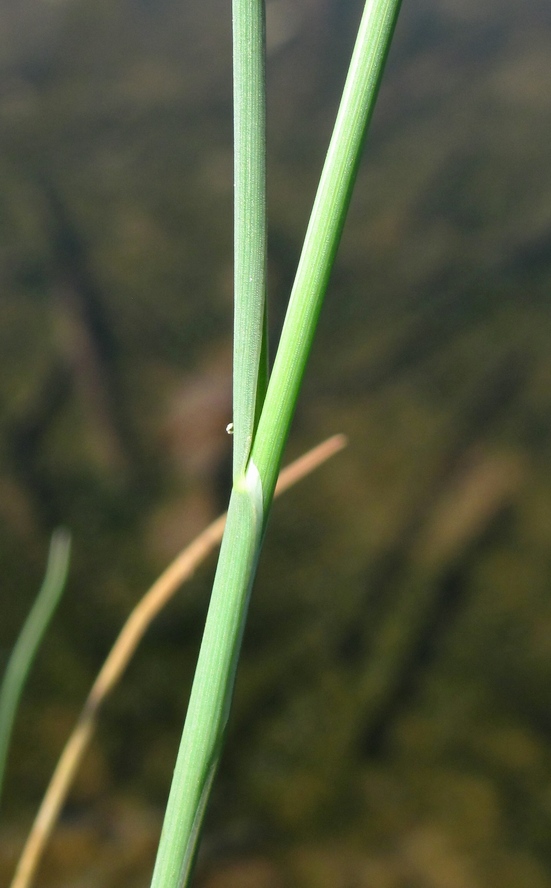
<point x="392" y="720"/>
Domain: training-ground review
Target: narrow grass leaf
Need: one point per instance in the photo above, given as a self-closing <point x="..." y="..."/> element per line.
<point x="31" y="635"/>
<point x="250" y="342"/>
<point x="323" y="235"/>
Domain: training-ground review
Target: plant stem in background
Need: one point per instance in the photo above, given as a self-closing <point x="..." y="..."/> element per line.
<point x="30" y="637"/>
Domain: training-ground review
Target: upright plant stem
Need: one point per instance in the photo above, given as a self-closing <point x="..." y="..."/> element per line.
<point x="214" y="676"/>
<point x="261" y="424"/>
<point x="250" y="356"/>
<point x="323" y="236"/>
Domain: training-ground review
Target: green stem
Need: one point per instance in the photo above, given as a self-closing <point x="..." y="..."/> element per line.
<point x="254" y="477"/>
<point x="214" y="676"/>
<point x="322" y="237"/>
<point x="31" y="635"/>
<point x="209" y="704"/>
<point x="249" y="344"/>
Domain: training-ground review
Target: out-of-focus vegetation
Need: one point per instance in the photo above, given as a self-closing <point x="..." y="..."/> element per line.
<point x="392" y="722"/>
